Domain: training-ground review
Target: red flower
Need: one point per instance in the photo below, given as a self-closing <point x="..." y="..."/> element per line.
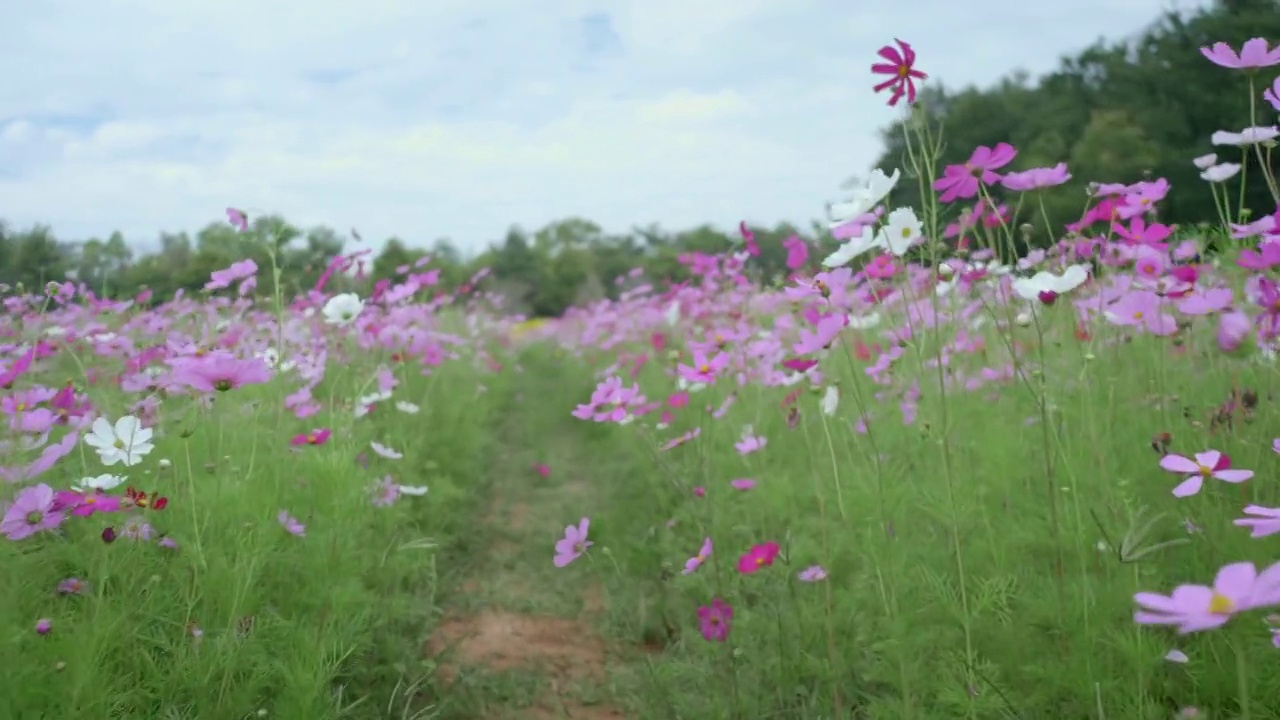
<point x="902" y="68"/>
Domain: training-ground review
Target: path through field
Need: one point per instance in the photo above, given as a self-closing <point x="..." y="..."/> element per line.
<point x="519" y="637"/>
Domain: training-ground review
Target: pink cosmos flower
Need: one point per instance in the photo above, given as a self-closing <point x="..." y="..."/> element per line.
<point x="574" y="543"/>
<point x="1191" y="608"/>
<point x="1142" y="309"/>
<point x="1234" y="328"/>
<point x="240" y="270"/>
<point x="797" y="252"/>
<point x="696" y="561"/>
<point x="1266" y="521"/>
<point x="1253" y="54"/>
<point x="1207" y="464"/>
<point x="1036" y="178"/>
<point x="221" y="372"/>
<point x="962" y="181"/>
<point x="814" y="573"/>
<point x="238" y="219"/>
<point x="743" y="484"/>
<point x="1272" y="94"/>
<point x="33" y="511"/>
<point x="704" y="368"/>
<point x="759" y="556"/>
<point x="291" y="524"/>
<point x="714" y="620"/>
<point x="750" y="444"/>
<point x="73" y="586"/>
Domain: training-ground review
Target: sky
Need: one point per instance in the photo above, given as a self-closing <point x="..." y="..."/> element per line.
<point x="424" y="119"/>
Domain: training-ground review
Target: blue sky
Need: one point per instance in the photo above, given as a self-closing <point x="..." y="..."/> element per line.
<point x="432" y="118"/>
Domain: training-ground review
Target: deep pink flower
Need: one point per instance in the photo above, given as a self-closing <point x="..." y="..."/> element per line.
<point x="901" y="67"/>
<point x="759" y="556"/>
<point x="318" y="436"/>
<point x="714" y="620"/>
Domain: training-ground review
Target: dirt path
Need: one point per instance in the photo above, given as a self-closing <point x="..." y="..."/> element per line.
<point x="518" y="641"/>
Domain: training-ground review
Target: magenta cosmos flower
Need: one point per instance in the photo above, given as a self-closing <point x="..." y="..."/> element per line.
<point x="1208" y="464"/>
<point x="901" y="69"/>
<point x="574" y="543"/>
<point x="713" y="620"/>
<point x="1237" y="588"/>
<point x="759" y="556"/>
<point x="319" y="436"/>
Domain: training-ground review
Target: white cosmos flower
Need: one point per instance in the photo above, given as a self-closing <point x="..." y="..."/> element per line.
<point x="1248" y="136"/>
<point x="865" y="321"/>
<point x="101" y="482"/>
<point x="1204" y="162"/>
<point x="830" y="400"/>
<point x="901" y="230"/>
<point x="343" y="309"/>
<point x="407" y="407"/>
<point x="1046" y="282"/>
<point x="673" y="313"/>
<point x="853" y="248"/>
<point x="414" y="490"/>
<point x="1220" y="173"/>
<point x="877" y="187"/>
<point x="386" y="452"/>
<point x="126" y="442"/>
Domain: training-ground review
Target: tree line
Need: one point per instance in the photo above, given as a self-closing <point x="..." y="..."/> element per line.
<point x="1118" y="111"/>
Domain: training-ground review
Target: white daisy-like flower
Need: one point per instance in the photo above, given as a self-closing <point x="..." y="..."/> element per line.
<point x="101" y="482"/>
<point x="127" y="442"/>
<point x="343" y="309"/>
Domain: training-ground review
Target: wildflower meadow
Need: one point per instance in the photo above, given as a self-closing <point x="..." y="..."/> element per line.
<point x="962" y="463"/>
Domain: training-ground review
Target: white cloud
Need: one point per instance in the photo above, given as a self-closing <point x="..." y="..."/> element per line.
<point x="448" y="118"/>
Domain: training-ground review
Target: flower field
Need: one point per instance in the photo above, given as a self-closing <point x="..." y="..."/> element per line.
<point x="961" y="464"/>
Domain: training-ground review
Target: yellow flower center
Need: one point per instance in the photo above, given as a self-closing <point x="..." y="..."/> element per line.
<point x="1137" y="314"/>
<point x="1221" y="605"/>
<point x="704" y="368"/>
<point x="1204" y="471"/>
<point x="903" y="71"/>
